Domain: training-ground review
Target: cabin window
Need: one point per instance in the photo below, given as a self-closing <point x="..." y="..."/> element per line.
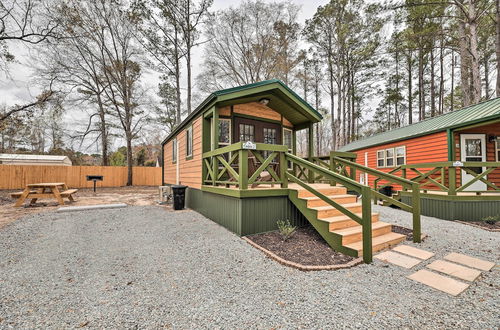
<point x="400" y="155"/>
<point x="174" y="150"/>
<point x="287" y="139"/>
<point x="497" y="149"/>
<point x="189" y="141"/>
<point x="247" y="132"/>
<point x="380" y="158"/>
<point x="389" y="157"/>
<point x="224" y="132"/>
<point x="269" y="135"/>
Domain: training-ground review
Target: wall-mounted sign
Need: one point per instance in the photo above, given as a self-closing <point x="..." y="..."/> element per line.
<point x="249" y="145"/>
<point x="458" y="164"/>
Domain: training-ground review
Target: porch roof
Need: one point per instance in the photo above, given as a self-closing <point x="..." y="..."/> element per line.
<point x="281" y="99"/>
<point x="474" y="114"/>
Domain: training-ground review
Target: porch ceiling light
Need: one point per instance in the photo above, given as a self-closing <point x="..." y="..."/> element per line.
<point x="264" y="101"/>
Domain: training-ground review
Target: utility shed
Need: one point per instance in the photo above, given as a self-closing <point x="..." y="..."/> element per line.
<point x="23" y="159"/>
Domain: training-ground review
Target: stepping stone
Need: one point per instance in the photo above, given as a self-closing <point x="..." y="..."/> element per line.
<point x="414" y="252"/>
<point x="470" y="261"/>
<point x="398" y="259"/>
<point x="449" y="268"/>
<point x="91" y="207"/>
<point x="439" y="282"/>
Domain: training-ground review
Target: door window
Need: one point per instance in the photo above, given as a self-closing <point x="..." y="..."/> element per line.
<point x="269" y="135"/>
<point x="474" y="152"/>
<point x="247" y="132"/>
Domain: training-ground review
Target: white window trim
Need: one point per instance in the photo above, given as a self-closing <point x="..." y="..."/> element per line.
<point x="396" y="155"/>
<point x="230" y="130"/>
<point x="382" y="158"/>
<point x="283" y="137"/>
<point x="189" y="129"/>
<point x="497" y="149"/>
<point x="393" y="157"/>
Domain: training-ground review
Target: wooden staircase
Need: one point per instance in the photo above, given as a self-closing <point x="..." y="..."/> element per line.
<point x="340" y="231"/>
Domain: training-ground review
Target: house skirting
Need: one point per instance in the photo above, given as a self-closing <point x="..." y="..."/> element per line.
<point x="467" y="208"/>
<point x="244" y="216"/>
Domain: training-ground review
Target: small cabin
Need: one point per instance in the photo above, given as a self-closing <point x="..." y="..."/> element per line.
<point x="229" y="152"/>
<point x="455" y="155"/>
<point x="25" y="159"/>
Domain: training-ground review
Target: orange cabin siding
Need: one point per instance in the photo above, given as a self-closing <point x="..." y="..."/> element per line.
<point x="189" y="169"/>
<point x="423" y="149"/>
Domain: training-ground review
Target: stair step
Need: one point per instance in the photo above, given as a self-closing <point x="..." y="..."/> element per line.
<point x="343" y="221"/>
<point x="355" y="234"/>
<point x="378" y="243"/>
<point x="330" y="211"/>
<point x="327" y="190"/>
<point x="341" y="199"/>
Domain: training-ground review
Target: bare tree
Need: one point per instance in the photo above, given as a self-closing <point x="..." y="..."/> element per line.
<point x="253" y="42"/>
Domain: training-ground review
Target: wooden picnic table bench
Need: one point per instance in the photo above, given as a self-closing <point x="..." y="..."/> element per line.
<point x="34" y="191"/>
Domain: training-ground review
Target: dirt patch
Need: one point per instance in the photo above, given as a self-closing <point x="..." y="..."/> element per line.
<point x="403" y="231"/>
<point x="139" y="195"/>
<point x="483" y="224"/>
<point x="305" y="247"/>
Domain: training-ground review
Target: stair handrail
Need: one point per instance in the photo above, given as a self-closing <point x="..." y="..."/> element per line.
<point x="366" y="214"/>
<point x="409" y="184"/>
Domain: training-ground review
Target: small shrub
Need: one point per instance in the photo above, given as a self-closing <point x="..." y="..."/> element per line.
<point x="285" y="228"/>
<point x="492" y="219"/>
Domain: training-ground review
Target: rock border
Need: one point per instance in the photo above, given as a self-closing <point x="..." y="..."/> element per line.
<point x="477" y="226"/>
<point x="298" y="266"/>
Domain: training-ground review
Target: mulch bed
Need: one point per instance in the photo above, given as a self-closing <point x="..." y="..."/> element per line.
<point x="307" y="250"/>
<point x="305" y="247"/>
<point x="483" y="225"/>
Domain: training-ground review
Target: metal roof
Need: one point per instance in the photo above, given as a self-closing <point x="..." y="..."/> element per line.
<point x="215" y="96"/>
<point x="481" y="112"/>
<point x="32" y="157"/>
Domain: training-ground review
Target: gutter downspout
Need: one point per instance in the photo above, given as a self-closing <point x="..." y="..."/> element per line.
<point x="162" y="165"/>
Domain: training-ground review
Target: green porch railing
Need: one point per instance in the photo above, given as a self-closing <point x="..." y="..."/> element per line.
<point x="442" y="176"/>
<point x="232" y="166"/>
<point x="237" y="166"/>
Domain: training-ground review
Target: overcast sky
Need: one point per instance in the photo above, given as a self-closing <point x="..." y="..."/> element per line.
<point x="20" y="88"/>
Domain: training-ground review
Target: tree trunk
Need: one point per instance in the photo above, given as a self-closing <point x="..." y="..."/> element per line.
<point x="464" y="65"/>
<point x="474" y="55"/>
<point x="433" y="85"/>
<point x="104" y="131"/>
<point x="441" y="74"/>
<point x="177" y="78"/>
<point x="410" y="89"/>
<point x="130" y="161"/>
<point x="332" y="105"/>
<point x="452" y="92"/>
<point x="486" y="77"/>
<point x="498" y="48"/>
<point x="421" y="96"/>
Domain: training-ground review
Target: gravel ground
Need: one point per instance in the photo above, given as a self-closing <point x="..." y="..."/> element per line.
<point x="145" y="267"/>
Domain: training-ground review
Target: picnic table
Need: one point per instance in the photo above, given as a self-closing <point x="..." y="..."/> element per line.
<point x="56" y="190"/>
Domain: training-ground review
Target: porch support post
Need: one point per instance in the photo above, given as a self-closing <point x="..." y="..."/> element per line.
<point x="215" y="143"/>
<point x="294" y="150"/>
<point x="310" y="150"/>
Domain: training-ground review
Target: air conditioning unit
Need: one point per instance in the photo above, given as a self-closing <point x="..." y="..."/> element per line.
<point x="165" y="194"/>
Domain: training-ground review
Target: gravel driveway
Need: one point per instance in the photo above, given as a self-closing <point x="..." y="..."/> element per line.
<point x="146" y="267"/>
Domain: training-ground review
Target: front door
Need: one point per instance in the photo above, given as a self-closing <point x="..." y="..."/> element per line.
<point x="256" y="131"/>
<point x="473" y="149"/>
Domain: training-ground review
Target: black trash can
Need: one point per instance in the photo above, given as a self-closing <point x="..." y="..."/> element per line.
<point x="387" y="190"/>
<point x="179" y="193"/>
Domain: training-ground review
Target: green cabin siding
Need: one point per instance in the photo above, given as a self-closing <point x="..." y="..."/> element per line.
<point x="466" y="208"/>
<point x="244" y="216"/>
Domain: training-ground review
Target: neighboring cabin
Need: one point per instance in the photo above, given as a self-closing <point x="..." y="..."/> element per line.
<point x="470" y="134"/>
<point x="23" y="159"/>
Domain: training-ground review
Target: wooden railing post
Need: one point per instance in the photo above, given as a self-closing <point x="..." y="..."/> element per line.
<point x="332" y="168"/>
<point x="367" y="224"/>
<point x="243" y="169"/>
<point x="283" y="170"/>
<point x="375" y="199"/>
<point x="415" y="201"/>
<point x="403" y="173"/>
<point x="452" y="180"/>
